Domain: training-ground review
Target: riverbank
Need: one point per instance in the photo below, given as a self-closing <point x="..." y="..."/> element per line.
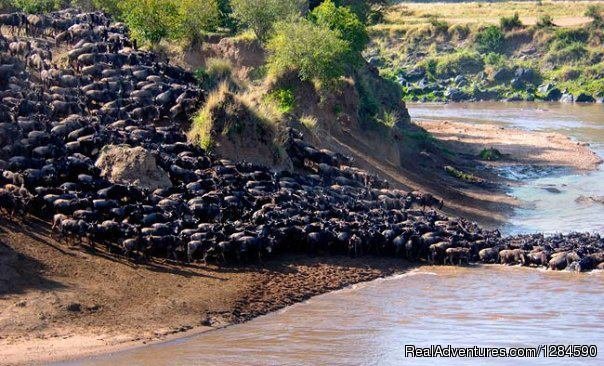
<point x="528" y="51"/>
<point x="61" y="303"/>
<point x="516" y="146"/>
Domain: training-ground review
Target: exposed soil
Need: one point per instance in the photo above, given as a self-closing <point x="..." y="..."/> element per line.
<point x="58" y="302"/>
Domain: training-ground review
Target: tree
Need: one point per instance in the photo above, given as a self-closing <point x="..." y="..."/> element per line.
<point x="260" y="15"/>
<point x="150" y="20"/>
<point x="343" y="20"/>
<point x="196" y="17"/>
<point x="314" y="51"/>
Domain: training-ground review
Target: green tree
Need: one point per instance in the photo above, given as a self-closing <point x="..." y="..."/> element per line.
<point x="150" y="20"/>
<point x="196" y="17"/>
<point x="314" y="51"/>
<point x="260" y="15"/>
<point x="343" y="20"/>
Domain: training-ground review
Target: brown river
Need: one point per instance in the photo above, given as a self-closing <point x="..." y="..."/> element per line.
<point x="486" y="306"/>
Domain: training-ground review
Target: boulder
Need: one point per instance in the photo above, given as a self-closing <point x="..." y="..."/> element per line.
<point x="517" y="83"/>
<point x="526" y="75"/>
<point x="456" y="95"/>
<point x="460" y="80"/>
<point x="502" y="75"/>
<point x="127" y="165"/>
<point x="567" y="98"/>
<point x="584" y="98"/>
<point x="415" y="75"/>
<point x="549" y="92"/>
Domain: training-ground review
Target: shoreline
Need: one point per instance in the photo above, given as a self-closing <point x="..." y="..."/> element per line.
<point x="38" y="328"/>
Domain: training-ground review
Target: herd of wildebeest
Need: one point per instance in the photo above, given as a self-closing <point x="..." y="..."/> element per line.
<point x="72" y="83"/>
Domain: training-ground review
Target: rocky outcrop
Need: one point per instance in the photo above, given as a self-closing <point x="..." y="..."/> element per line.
<point x="137" y="166"/>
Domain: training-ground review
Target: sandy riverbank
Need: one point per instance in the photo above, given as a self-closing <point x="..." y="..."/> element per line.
<point x="517" y="146"/>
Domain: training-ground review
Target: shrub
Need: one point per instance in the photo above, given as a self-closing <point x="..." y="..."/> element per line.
<point x="495" y="59"/>
<point x="490" y="39"/>
<point x="36" y="6"/>
<point x="570" y="53"/>
<point x="343" y="20"/>
<point x="570" y="35"/>
<point x="284" y="98"/>
<point x="261" y="15"/>
<point x="595" y="13"/>
<point x="509" y="23"/>
<point x="545" y="21"/>
<point x="313" y="51"/>
<point x="463" y="62"/>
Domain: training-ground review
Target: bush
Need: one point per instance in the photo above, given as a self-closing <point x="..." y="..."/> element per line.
<point x="284" y="98"/>
<point x="261" y="15"/>
<point x="460" y="63"/>
<point x="36" y="6"/>
<point x="545" y="21"/>
<point x="509" y="23"/>
<point x="570" y="35"/>
<point x="313" y="51"/>
<point x="490" y="39"/>
<point x="595" y="13"/>
<point x="568" y="54"/>
<point x="495" y="59"/>
<point x="343" y="20"/>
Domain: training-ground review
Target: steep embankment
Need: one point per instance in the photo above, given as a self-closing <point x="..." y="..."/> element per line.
<point x="517" y="51"/>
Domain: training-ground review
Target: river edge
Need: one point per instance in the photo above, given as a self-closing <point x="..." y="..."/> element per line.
<point x="37" y="326"/>
<point x="45" y="331"/>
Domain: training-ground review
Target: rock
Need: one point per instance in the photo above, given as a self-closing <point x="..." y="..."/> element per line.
<point x="486" y="95"/>
<point x="456" y="95"/>
<point x="552" y="190"/>
<point x="502" y="75"/>
<point x="567" y="98"/>
<point x="584" y="98"/>
<point x="460" y="80"/>
<point x="526" y="75"/>
<point x="375" y="62"/>
<point x="590" y="199"/>
<point x="137" y="166"/>
<point x="415" y="75"/>
<point x="600" y="100"/>
<point x="549" y="92"/>
<point x="517" y="83"/>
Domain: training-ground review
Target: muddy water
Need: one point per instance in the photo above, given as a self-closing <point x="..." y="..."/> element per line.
<point x="369" y="324"/>
<point x="552" y="196"/>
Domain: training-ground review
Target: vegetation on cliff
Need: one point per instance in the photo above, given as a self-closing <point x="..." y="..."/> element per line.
<point x="513" y="51"/>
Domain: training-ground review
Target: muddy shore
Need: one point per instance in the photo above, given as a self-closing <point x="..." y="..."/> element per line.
<point x="60" y="303"/>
